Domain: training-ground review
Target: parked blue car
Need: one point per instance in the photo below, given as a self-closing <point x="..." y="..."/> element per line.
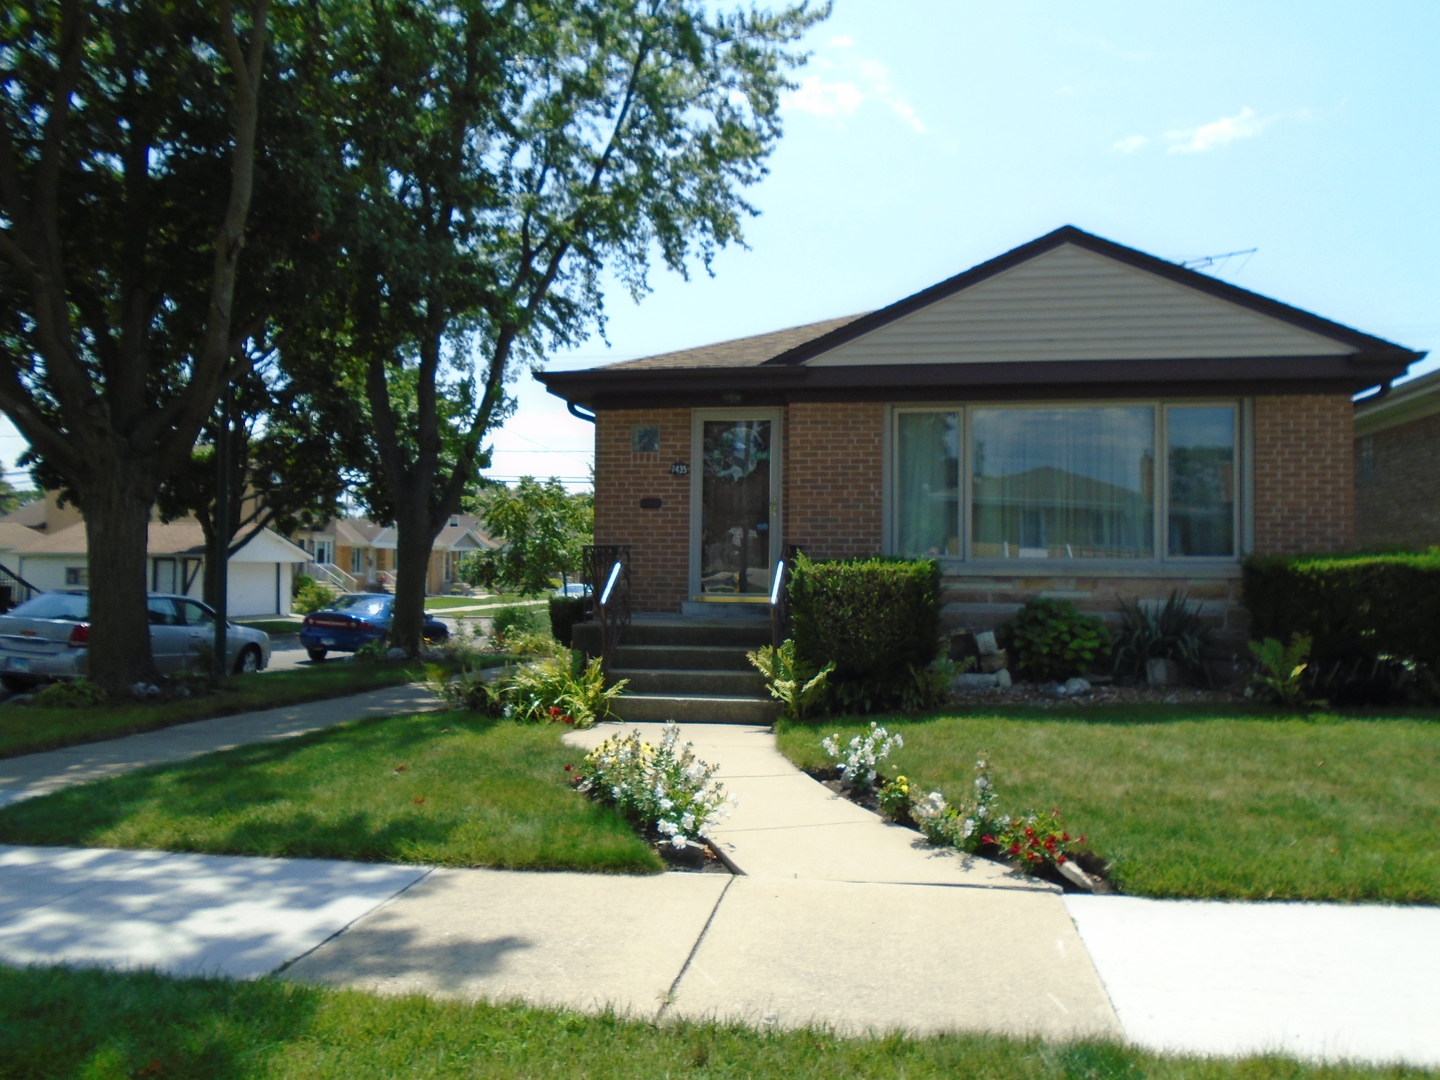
<point x="353" y="620"/>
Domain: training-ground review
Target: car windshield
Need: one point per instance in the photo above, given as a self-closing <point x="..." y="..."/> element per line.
<point x="360" y="604"/>
<point x="54" y="605"/>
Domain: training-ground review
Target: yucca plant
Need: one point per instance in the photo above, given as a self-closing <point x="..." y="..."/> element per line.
<point x="1172" y="632"/>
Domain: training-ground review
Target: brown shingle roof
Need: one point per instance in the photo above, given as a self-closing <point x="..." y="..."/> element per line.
<point x="740" y="352"/>
<point x="174" y="538"/>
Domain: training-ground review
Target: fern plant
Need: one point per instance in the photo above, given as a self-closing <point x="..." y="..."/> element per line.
<point x="793" y="684"/>
<point x="1280" y="671"/>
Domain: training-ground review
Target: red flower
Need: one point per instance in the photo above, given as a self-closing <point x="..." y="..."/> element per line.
<point x="1015" y="849"/>
<point x="554" y="710"/>
<point x="1065" y="837"/>
<point x="987" y="839"/>
<point x="568" y="719"/>
<point x="569" y="768"/>
<point x="1059" y="859"/>
<point x="1049" y="843"/>
<point x="1029" y="832"/>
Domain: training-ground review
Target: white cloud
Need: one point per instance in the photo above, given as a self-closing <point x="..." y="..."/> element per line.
<point x="1242" y="125"/>
<point x="879" y="79"/>
<point x="1131" y="143"/>
<point x="841" y="42"/>
<point x="825" y="99"/>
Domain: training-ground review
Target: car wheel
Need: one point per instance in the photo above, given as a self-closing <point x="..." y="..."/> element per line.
<point x="318" y="655"/>
<point x="248" y="662"/>
<point x="17" y="684"/>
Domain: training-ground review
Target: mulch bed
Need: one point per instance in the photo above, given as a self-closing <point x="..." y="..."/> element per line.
<point x="1087" y="860"/>
<point x="1043" y="695"/>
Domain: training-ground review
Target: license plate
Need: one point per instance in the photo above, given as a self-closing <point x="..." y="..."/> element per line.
<point x="14" y="663"/>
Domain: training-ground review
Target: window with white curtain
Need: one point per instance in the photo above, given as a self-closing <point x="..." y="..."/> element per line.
<point x="1114" y="481"/>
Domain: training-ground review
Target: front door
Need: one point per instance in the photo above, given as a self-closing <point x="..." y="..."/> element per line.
<point x="735" y="490"/>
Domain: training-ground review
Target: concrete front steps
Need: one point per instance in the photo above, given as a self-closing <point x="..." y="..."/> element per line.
<point x="687" y="668"/>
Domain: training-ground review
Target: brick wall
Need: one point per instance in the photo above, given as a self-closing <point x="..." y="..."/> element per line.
<point x="1397" y="485"/>
<point x="659" y="539"/>
<point x="1304" y="474"/>
<point x="834" y="478"/>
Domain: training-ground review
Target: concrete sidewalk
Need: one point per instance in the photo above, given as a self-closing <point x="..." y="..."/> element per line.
<point x="30" y="775"/>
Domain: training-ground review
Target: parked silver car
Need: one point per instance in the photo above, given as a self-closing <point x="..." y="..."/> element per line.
<point x="48" y="636"/>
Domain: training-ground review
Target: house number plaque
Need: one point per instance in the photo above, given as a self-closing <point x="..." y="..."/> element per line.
<point x="680" y="468"/>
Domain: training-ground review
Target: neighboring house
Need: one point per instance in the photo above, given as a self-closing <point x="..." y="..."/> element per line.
<point x="1397" y="466"/>
<point x="259" y="577"/>
<point x="356" y="554"/>
<point x="1073" y="419"/>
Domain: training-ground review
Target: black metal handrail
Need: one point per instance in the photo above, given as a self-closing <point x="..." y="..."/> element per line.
<point x="779" y="603"/>
<point x="607" y="572"/>
<point x="11" y="601"/>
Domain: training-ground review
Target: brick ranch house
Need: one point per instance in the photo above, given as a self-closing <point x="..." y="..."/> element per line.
<point x="1397" y="466"/>
<point x="1072" y="419"/>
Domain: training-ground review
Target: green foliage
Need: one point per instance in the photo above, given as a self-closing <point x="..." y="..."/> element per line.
<point x="1172" y="632"/>
<point x="565" y="612"/>
<point x="1050" y="641"/>
<point x="508" y="620"/>
<point x="372" y="652"/>
<point x="312" y="597"/>
<point x="70" y="694"/>
<point x="553" y="690"/>
<point x="790" y="682"/>
<point x="542" y="528"/>
<point x="468" y="689"/>
<point x="1280" y="670"/>
<point x="1370" y="618"/>
<point x="875" y="619"/>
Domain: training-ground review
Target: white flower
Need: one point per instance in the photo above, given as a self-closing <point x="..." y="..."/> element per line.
<point x="677" y="841"/>
<point x="669" y="828"/>
<point x="687" y="822"/>
<point x="967" y="827"/>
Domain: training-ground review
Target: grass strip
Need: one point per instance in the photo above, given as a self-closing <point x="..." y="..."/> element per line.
<point x="57" y="1024"/>
<point x="273" y="627"/>
<point x="1200" y="803"/>
<point x="442" y="789"/>
<point x="26" y="729"/>
<point x="437" y="603"/>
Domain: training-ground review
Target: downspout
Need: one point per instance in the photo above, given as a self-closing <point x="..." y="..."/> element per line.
<point x="580" y="412"/>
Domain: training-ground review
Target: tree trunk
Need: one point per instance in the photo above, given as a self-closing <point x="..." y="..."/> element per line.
<point x="117" y="525"/>
<point x="414" y="540"/>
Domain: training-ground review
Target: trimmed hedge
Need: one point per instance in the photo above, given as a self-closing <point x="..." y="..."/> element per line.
<point x="1354" y="607"/>
<point x="871" y="616"/>
<point x="565" y="612"/>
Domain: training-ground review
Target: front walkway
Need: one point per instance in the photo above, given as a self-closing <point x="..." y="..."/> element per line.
<point x="839" y="919"/>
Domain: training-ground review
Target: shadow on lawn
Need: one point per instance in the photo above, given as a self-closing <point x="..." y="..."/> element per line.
<point x="257" y="777"/>
<point x="58" y="1022"/>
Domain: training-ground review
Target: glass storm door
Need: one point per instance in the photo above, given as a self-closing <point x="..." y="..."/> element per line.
<point x="737" y="532"/>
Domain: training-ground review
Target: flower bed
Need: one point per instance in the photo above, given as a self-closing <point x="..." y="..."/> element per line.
<point x="1034" y="842"/>
<point x="668" y="793"/>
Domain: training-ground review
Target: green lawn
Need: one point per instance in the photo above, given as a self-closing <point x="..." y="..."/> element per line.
<point x="446" y="789"/>
<point x="1192" y="802"/>
<point x="59" y="1023"/>
<point x="440" y="603"/>
<point x="274" y="627"/>
<point x="25" y="729"/>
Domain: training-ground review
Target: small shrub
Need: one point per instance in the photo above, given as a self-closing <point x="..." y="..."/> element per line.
<point x="664" y="788"/>
<point x="299" y="583"/>
<point x="1051" y="641"/>
<point x="373" y="652"/>
<point x="1280" y="670"/>
<point x="507" y="621"/>
<point x="860" y="756"/>
<point x="533" y="643"/>
<point x="469" y="690"/>
<point x="70" y="694"/>
<point x="553" y="691"/>
<point x="565" y="612"/>
<point x="312" y="597"/>
<point x="1172" y="632"/>
<point x="793" y="684"/>
<point x="873" y="618"/>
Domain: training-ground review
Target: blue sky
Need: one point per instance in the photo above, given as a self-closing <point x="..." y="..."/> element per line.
<point x="928" y="136"/>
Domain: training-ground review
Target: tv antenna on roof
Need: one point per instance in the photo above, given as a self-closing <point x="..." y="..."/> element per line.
<point x="1217" y="263"/>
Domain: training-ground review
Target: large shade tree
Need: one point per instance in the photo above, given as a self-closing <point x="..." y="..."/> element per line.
<point x="500" y="155"/>
<point x="127" y="164"/>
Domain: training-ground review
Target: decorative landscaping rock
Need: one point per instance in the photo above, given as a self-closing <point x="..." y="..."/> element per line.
<point x="1002" y="679"/>
<point x="975" y="680"/>
<point x="1076" y="685"/>
<point x="1071" y="871"/>
<point x="993" y="662"/>
<point x="985" y="643"/>
<point x="395" y="654"/>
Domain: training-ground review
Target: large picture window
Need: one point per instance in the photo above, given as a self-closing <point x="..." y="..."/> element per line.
<point x="1112" y="481"/>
